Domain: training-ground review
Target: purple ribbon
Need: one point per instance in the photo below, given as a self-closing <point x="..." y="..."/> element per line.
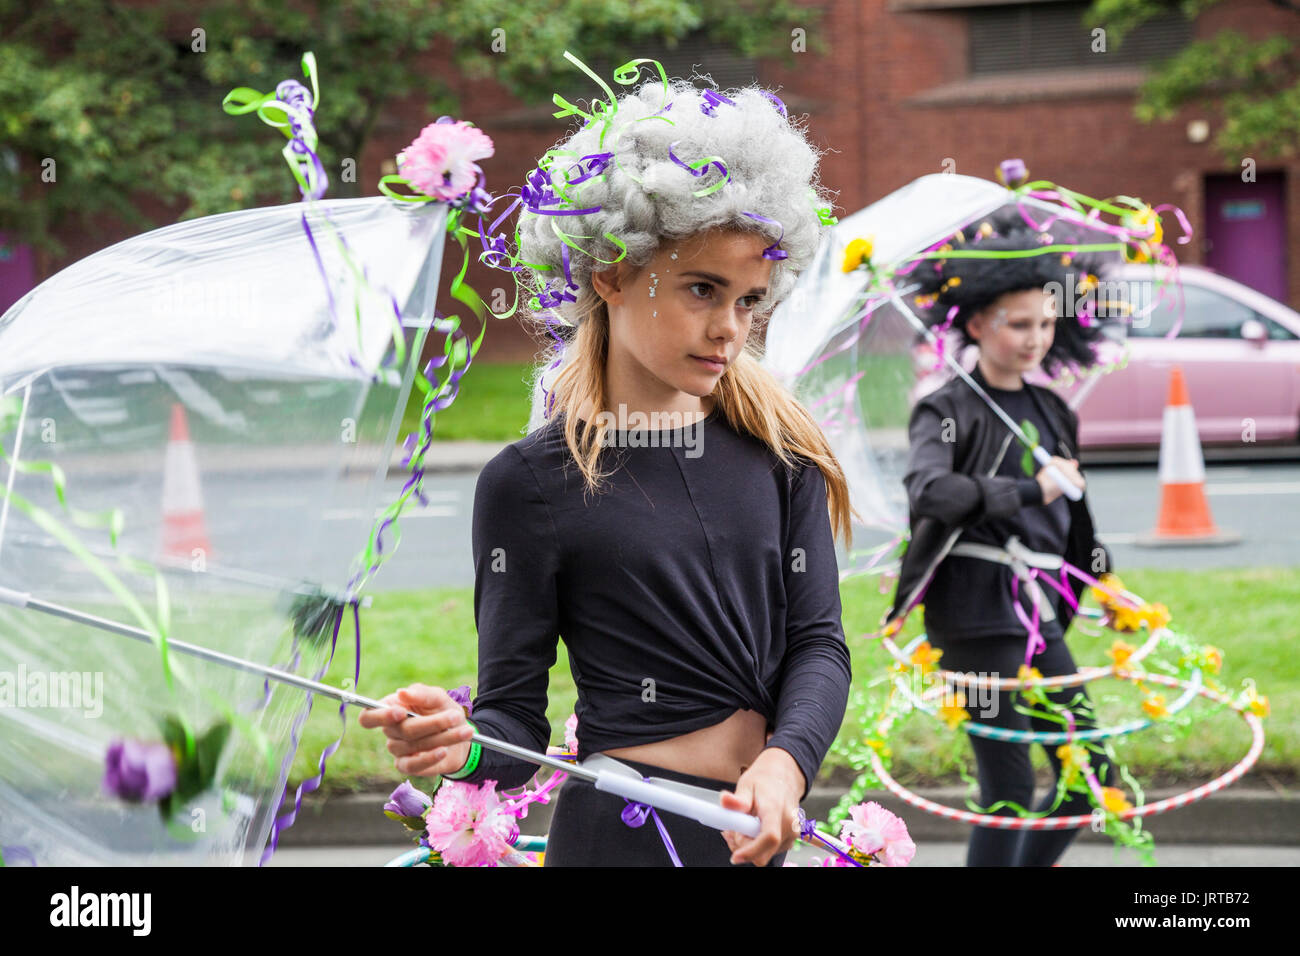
<point x="549" y="298"/>
<point x="309" y="786"/>
<point x="298" y="100"/>
<point x="772" y="252"/>
<point x="809" y="833"/>
<point x="17" y="853"/>
<point x="634" y="815"/>
<point x="776" y="101"/>
<point x="702" y="170"/>
<point x="711" y="102"/>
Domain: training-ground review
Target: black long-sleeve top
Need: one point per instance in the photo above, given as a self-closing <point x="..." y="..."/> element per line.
<point x="701" y="581"/>
<point x="971" y="597"/>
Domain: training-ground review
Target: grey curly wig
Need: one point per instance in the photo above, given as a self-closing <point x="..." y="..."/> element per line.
<point x="644" y="198"/>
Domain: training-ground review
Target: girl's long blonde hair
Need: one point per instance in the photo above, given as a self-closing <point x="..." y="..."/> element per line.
<point x="748" y="396"/>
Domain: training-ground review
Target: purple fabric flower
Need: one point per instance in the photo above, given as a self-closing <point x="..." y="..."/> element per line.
<point x="137" y="771"/>
<point x="461" y="696"/>
<point x="1012" y="172"/>
<point x="408" y="801"/>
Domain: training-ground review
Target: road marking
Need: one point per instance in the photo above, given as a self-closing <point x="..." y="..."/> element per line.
<point x="1254" y="488"/>
<point x="351" y="514"/>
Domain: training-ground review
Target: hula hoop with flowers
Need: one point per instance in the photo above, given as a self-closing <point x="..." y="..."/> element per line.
<point x="943" y="696"/>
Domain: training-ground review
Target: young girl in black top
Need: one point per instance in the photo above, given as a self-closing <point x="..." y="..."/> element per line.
<point x="1005" y="306"/>
<point x="689" y="565"/>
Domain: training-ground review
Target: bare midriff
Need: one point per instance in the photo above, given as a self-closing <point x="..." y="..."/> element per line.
<point x="722" y="751"/>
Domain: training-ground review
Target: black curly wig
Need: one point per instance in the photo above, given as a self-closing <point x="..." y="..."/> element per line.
<point x="971" y="284"/>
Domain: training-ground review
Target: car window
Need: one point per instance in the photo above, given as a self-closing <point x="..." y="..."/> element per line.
<point x="1276" y="330"/>
<point x="1206" y="315"/>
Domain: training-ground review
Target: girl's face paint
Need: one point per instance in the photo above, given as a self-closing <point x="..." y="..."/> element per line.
<point x="694" y="301"/>
<point x="1015" y="331"/>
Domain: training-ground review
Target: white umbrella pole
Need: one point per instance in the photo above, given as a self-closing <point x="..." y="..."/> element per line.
<point x="631" y="787"/>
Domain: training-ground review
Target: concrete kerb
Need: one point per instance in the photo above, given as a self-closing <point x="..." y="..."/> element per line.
<point x="1237" y="816"/>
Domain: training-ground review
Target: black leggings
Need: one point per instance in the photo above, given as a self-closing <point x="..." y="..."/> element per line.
<point x="587" y="829"/>
<point x="1005" y="771"/>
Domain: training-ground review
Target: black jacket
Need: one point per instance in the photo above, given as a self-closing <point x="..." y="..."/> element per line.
<point x="953" y="484"/>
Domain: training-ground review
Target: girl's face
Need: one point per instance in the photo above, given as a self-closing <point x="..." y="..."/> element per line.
<point x="1015" y="330"/>
<point x="693" y="302"/>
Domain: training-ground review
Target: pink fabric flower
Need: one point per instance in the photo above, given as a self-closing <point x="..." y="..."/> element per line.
<point x="571" y="734"/>
<point x="872" y="829"/>
<point x="442" y="161"/>
<point x="468" y="825"/>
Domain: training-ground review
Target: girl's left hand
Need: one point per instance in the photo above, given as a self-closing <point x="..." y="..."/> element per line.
<point x="770" y="788"/>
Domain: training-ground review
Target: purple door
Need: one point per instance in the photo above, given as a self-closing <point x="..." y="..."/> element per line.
<point x="1245" y="230"/>
<point x="17" y="272"/>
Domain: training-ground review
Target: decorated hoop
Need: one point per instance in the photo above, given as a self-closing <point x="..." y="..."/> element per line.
<point x="1077" y="822"/>
<point x="1014" y="735"/>
<point x="1082" y="676"/>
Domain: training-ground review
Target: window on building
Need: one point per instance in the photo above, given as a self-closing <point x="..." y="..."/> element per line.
<point x="1053" y="35"/>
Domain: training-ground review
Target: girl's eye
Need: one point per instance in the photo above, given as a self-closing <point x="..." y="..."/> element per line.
<point x="709" y="286"/>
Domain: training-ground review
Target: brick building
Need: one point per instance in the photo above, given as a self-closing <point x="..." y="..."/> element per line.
<point x="910" y="87"/>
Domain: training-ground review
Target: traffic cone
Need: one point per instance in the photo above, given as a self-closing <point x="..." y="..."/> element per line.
<point x="184" y="530"/>
<point x="1184" y="513"/>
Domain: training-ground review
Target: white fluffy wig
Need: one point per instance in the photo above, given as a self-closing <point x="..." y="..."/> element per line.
<point x="644" y="196"/>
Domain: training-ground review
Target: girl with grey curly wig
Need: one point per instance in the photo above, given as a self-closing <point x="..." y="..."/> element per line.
<point x="698" y="595"/>
<point x="624" y="196"/>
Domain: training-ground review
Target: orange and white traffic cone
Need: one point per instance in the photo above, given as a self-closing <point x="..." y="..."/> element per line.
<point x="1184" y="512"/>
<point x="184" y="531"/>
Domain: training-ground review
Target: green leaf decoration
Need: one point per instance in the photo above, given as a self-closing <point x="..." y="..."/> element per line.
<point x="1027" y="463"/>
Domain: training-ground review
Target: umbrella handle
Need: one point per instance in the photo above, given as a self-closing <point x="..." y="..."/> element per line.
<point x="710" y="814"/>
<point x="1068" y="488"/>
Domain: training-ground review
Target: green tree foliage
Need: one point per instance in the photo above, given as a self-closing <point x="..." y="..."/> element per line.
<point x="105" y="101"/>
<point x="1254" y="83"/>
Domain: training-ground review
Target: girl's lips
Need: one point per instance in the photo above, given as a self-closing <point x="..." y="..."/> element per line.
<point x="715" y="366"/>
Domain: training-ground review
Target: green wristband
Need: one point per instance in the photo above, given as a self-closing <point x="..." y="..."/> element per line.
<point x="475" y="751"/>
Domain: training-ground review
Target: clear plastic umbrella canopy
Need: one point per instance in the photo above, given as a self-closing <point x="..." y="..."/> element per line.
<point x="852" y="358"/>
<point x="216" y="402"/>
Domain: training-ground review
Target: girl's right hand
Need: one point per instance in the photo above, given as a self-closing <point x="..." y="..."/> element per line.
<point x="436" y="742"/>
<point x="1068" y="467"/>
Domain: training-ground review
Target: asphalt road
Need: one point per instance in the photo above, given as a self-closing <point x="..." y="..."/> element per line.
<point x="262" y="523"/>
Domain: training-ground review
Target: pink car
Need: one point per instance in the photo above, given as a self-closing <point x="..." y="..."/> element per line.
<point x="1239" y="351"/>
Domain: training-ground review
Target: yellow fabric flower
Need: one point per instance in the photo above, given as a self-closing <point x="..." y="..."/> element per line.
<point x="925" y="658"/>
<point x="1073" y="759"/>
<point x="1107" y="580"/>
<point x="1027" y="673"/>
<point x="892" y="628"/>
<point x="1155" y="615"/>
<point x="858" y="252"/>
<point x="1112" y="798"/>
<point x="1154" y="706"/>
<point x="879" y="746"/>
<point x="1212" y="658"/>
<point x="1124" y="618"/>
<point x="954" y="713"/>
<point x="1256" y="704"/>
<point x="1120" y="652"/>
<point x="1146" y="220"/>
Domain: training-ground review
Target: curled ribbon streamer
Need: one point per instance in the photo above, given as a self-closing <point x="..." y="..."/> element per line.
<point x="700" y="167"/>
<point x="634" y="815"/>
<point x="310" y="785"/>
<point x="772" y="252"/>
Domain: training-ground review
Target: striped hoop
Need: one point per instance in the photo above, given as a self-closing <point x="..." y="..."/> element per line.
<point x="1082" y="676"/>
<point x="1011" y="734"/>
<point x="1078" y="822"/>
